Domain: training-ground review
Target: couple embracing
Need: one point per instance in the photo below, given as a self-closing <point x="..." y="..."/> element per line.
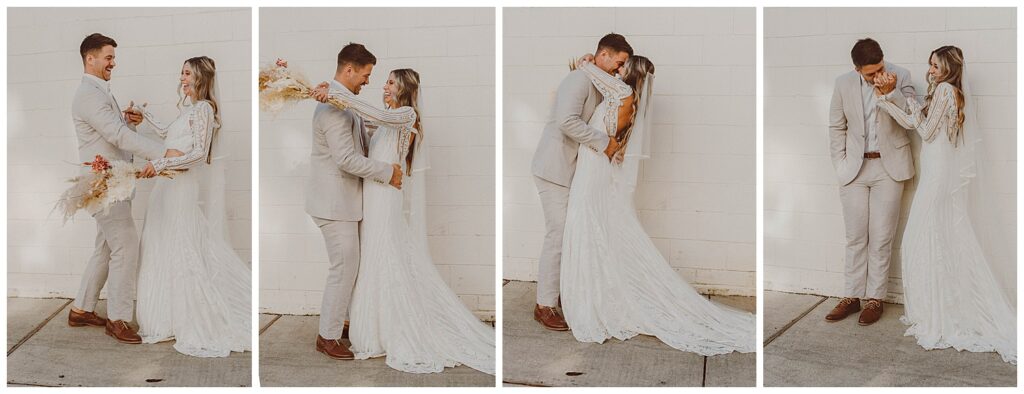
<point x="600" y="275"/>
<point x="383" y="292"/>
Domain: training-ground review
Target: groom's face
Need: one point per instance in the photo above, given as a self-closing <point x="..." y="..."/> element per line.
<point x="870" y="71"/>
<point x="610" y="61"/>
<point x="356" y="77"/>
<point x="101" y="62"/>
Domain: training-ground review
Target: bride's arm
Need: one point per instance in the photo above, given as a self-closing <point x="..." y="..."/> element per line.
<point x="609" y="86"/>
<point x="201" y="122"/>
<point x="913" y="116"/>
<point x="401" y="117"/>
<point x="158" y="127"/>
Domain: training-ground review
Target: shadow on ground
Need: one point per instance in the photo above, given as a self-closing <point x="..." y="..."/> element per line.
<point x="534" y="356"/>
<point x="802" y="349"/>
<point x="42" y="350"/>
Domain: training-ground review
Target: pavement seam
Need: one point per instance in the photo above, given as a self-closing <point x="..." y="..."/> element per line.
<point x="525" y="384"/>
<point x="38" y="327"/>
<point x="274" y="320"/>
<point x="791" y="323"/>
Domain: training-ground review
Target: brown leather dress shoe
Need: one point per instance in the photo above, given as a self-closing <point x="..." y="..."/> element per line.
<point x="82" y="319"/>
<point x="550" y="318"/>
<point x="333" y="348"/>
<point x="122" y="332"/>
<point x="344" y="331"/>
<point x="847" y="306"/>
<point x="872" y="312"/>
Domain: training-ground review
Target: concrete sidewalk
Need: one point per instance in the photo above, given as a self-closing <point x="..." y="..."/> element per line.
<point x="288" y="357"/>
<point x="802" y="349"/>
<point x="42" y="350"/>
<point x="534" y="356"/>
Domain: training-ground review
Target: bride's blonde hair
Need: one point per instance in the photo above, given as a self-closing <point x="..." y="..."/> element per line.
<point x="950" y="61"/>
<point x="204" y="72"/>
<point x="634" y="74"/>
<point x="407" y="81"/>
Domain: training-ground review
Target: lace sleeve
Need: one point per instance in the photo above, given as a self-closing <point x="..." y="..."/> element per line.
<point x="913" y="117"/>
<point x="159" y="127"/>
<point x="401" y="117"/>
<point x="200" y="121"/>
<point x="613" y="90"/>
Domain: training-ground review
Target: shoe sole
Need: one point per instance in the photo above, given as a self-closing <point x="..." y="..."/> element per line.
<point x="346" y="358"/>
<point x="86" y="325"/>
<point x="123" y="340"/>
<point x="549" y="327"/>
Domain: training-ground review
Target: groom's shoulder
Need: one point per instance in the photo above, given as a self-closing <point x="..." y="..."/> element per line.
<point x="845" y="77"/>
<point x="328" y="112"/>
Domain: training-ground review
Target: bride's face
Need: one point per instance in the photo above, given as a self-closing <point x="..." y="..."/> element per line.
<point x="933" y="68"/>
<point x="390" y="91"/>
<point x="187" y="79"/>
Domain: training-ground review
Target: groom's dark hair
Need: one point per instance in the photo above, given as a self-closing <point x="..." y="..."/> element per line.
<point x="614" y="42"/>
<point x="355" y="54"/>
<point x="866" y="51"/>
<point x="95" y="42"/>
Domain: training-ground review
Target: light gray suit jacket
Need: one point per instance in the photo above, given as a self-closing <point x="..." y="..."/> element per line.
<point x="101" y="130"/>
<point x="338" y="164"/>
<point x="555" y="158"/>
<point x="847" y="129"/>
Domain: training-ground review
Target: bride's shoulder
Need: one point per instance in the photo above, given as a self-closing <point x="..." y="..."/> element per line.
<point x="944" y="88"/>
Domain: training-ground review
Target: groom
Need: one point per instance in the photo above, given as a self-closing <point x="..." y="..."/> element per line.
<point x="103" y="129"/>
<point x="871" y="156"/>
<point x="554" y="164"/>
<point x="334" y="197"/>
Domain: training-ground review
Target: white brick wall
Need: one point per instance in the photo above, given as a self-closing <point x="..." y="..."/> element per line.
<point x="805" y="50"/>
<point x="44" y="69"/>
<point x="453" y="50"/>
<point x="696" y="199"/>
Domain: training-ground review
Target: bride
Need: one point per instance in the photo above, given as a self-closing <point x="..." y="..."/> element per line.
<point x="614" y="282"/>
<point x="401" y="307"/>
<point x="952" y="297"/>
<point x="192" y="286"/>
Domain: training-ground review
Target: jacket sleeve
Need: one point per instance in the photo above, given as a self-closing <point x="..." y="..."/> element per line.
<point x="109" y="124"/>
<point x="837" y="126"/>
<point x="338" y="131"/>
<point x="569" y="100"/>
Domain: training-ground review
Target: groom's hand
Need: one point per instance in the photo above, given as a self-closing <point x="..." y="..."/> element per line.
<point x="396" y="176"/>
<point x="319" y="93"/>
<point x="132" y="115"/>
<point x="613" y="146"/>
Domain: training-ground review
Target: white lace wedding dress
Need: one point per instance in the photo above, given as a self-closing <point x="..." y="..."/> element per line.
<point x="192" y="286"/>
<point x="401" y="307"/>
<point x="614" y="282"/>
<point x="951" y="296"/>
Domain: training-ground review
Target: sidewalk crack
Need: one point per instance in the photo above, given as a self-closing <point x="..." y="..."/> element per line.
<point x="270" y="323"/>
<point x="786" y="327"/>
<point x="38" y="327"/>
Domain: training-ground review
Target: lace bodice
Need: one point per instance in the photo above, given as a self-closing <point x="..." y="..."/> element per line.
<point x="191" y="133"/>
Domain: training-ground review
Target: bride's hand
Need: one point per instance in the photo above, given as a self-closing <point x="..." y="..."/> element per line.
<point x="319" y="93"/>
<point x="586" y="58"/>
